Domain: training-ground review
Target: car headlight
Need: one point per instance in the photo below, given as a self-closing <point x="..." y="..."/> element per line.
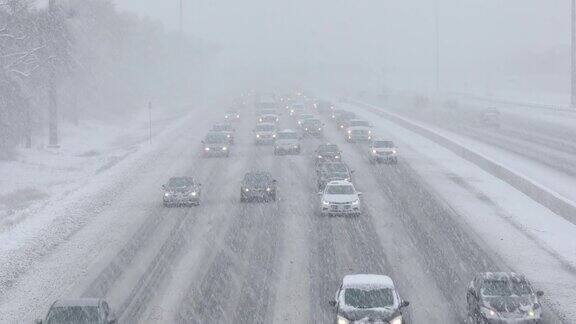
<point x="342" y="320"/>
<point x="207" y="149"/>
<point x="488" y="313"/>
<point x="257" y="135"/>
<point x="341" y="126"/>
<point x="319" y="129"/>
<point x="319" y="156"/>
<point x="167" y="194"/>
<point x="393" y="151"/>
<point x="296" y="146"/>
<point x="337" y="157"/>
<point x="228" y="135"/>
<point x="396" y="320"/>
<point x="349" y="132"/>
<point x="325" y="203"/>
<point x="224" y="148"/>
<point x="268" y="189"/>
<point x="356" y="203"/>
<point x="226" y="116"/>
<point x="299" y="123"/>
<point x="260" y="119"/>
<point x="374" y="151"/>
<point x="306" y="129"/>
<point x="369" y="132"/>
<point x="193" y="194"/>
<point x="237" y="116"/>
<point x="246" y="189"/>
<point x="347" y="179"/>
<point x="273" y="135"/>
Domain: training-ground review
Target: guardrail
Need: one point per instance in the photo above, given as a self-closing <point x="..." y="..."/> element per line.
<point x="507" y="102"/>
<point x="547" y="198"/>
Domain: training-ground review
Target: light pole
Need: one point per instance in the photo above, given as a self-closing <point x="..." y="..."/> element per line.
<point x="437" y="47"/>
<point x="573" y="54"/>
<point x="181" y="16"/>
<point x="52" y="91"/>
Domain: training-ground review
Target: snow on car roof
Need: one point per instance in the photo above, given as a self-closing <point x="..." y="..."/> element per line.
<point x="367" y="280"/>
<point x="501" y="276"/>
<point x="78" y="302"/>
<point x="339" y="183"/>
<point x="287" y="131"/>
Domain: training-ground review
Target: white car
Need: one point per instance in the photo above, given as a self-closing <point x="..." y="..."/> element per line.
<point x="287" y="142"/>
<point x="382" y="150"/>
<point x="269" y="119"/>
<point x="339" y="197"/>
<point x="358" y="131"/>
<point x="265" y="133"/>
<point x="368" y="298"/>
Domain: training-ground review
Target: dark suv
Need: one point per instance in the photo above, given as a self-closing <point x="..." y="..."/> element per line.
<point x="331" y="171"/>
<point x="328" y="153"/>
<point x="181" y="191"/>
<point x="501" y="297"/>
<point x="258" y="185"/>
<point x="80" y="311"/>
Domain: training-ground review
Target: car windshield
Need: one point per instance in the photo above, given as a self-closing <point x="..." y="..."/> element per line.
<point x="373" y="298"/>
<point x="311" y="122"/>
<point x="74" y="315"/>
<point x="383" y="144"/>
<point x="505" y="288"/>
<point x="334" y="167"/>
<point x="257" y="178"/>
<point x="328" y="148"/>
<point x="340" y="190"/>
<point x="359" y="123"/>
<point x="265" y="128"/>
<point x="215" y="139"/>
<point x="180" y="182"/>
<point x="287" y="135"/>
<point x="306" y="116"/>
<point x="222" y="128"/>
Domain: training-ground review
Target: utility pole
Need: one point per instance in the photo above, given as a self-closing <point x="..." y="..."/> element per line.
<point x="181" y="17"/>
<point x="436" y="47"/>
<point x="573" y="54"/>
<point x="52" y="91"/>
<point x="150" y="121"/>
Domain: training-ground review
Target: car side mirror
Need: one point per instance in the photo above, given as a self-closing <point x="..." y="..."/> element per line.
<point x="38" y="321"/>
<point x="202" y="142"/>
<point x="199" y="185"/>
<point x="274" y="181"/>
<point x="164" y="187"/>
<point x="320" y="193"/>
<point x="360" y="194"/>
<point x="113" y="321"/>
<point x="539" y="293"/>
<point x="332" y="303"/>
<point x="405" y="303"/>
<point x="472" y="292"/>
<point x="351" y="171"/>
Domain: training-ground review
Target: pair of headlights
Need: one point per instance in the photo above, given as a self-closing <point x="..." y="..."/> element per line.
<point x="343" y="320"/>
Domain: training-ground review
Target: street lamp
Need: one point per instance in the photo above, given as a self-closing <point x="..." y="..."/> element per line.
<point x="573" y="54"/>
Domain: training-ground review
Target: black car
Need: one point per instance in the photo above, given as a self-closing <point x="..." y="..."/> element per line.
<point x="328" y="153"/>
<point x="331" y="171"/>
<point x="502" y="297"/>
<point x="368" y="298"/>
<point x="312" y="127"/>
<point x="182" y="191"/>
<point x="258" y="185"/>
<point x="324" y="106"/>
<point x="79" y="311"/>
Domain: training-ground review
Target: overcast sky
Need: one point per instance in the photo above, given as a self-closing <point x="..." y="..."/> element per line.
<point x="393" y="33"/>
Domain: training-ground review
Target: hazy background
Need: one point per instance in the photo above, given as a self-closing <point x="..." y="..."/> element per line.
<point x="513" y="48"/>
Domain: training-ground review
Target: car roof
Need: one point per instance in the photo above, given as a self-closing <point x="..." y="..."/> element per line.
<point x="78" y="302"/>
<point x="339" y="183"/>
<point x="367" y="281"/>
<point x="266" y="124"/>
<point x="505" y="276"/>
<point x="268" y="115"/>
<point x="287" y="131"/>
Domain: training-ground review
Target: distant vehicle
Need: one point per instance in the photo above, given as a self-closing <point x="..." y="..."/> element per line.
<point x="324" y="106"/>
<point x="297" y="109"/>
<point x="343" y="118"/>
<point x="232" y="115"/>
<point x="303" y="117"/>
<point x="79" y="311"/>
<point x="312" y="127"/>
<point x="368" y="298"/>
<point x="216" y="144"/>
<point x="502" y="297"/>
<point x="287" y="142"/>
<point x="265" y="133"/>
<point x="227" y="129"/>
<point x="491" y="117"/>
<point x="258" y="185"/>
<point x="382" y="151"/>
<point x="332" y="171"/>
<point x="328" y="153"/>
<point x="267" y="112"/>
<point x="355" y="135"/>
<point x="182" y="191"/>
<point x="335" y="113"/>
<point x="339" y="197"/>
<point x="268" y="118"/>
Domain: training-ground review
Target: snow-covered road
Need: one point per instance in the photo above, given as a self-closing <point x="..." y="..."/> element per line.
<point x="226" y="262"/>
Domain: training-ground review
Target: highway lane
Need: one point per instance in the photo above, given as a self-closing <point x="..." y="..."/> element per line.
<point x="226" y="261"/>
